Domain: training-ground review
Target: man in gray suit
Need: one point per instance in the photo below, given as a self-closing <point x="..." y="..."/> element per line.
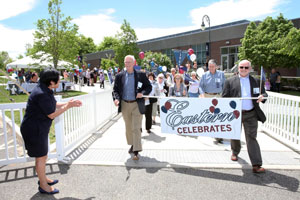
<point x="245" y="86"/>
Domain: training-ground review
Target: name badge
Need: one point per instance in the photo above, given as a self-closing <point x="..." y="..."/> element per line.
<point x="255" y="90"/>
<point x="140" y="84"/>
<point x="218" y="80"/>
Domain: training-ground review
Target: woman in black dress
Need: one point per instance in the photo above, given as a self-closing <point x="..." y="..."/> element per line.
<point x="41" y="109"/>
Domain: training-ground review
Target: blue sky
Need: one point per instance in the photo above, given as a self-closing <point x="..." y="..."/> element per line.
<point x="149" y="18"/>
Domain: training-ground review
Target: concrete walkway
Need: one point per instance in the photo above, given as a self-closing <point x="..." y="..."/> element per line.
<point x="108" y="147"/>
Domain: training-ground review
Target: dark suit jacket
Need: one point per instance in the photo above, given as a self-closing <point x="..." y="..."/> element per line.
<point x="138" y="77"/>
<point x="232" y="88"/>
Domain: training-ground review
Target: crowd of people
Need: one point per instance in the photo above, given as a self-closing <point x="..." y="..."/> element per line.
<point x="129" y="91"/>
<point x="130" y="86"/>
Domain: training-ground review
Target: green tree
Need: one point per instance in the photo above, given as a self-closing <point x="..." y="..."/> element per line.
<point x="108" y="43"/>
<point x="126" y="45"/>
<point x="86" y="45"/>
<point x="4" y="59"/>
<point x="55" y="37"/>
<point x="107" y="63"/>
<point x="158" y="58"/>
<point x="291" y="45"/>
<point x="20" y="56"/>
<point x="262" y="43"/>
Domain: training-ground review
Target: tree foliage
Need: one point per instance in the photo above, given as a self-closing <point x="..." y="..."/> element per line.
<point x="55" y="37"/>
<point x="263" y="43"/>
<point x="107" y="63"/>
<point x="126" y="44"/>
<point x="4" y="59"/>
<point x="108" y="43"/>
<point x="86" y="45"/>
<point x="158" y="58"/>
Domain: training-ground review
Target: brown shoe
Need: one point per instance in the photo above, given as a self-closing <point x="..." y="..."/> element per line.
<point x="234" y="157"/>
<point x="136" y="155"/>
<point x="258" y="169"/>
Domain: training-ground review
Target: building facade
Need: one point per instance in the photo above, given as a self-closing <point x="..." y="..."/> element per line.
<point x="220" y="42"/>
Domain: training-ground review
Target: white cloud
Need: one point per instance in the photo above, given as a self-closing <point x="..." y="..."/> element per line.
<point x="11" y="8"/>
<point x="13" y="41"/>
<point x="233" y="10"/>
<point x="98" y="26"/>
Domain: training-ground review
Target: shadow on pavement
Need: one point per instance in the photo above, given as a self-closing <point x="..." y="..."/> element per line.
<point x="77" y="152"/>
<point x="155" y="138"/>
<point x="45" y="196"/>
<point x="29" y="172"/>
<point x="269" y="179"/>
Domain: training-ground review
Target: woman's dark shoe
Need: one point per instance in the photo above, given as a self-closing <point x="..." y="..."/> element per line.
<point x="52" y="183"/>
<point x="45" y="192"/>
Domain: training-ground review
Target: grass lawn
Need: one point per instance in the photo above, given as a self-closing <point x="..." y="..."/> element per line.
<point x="291" y="92"/>
<point x="23" y="98"/>
<point x="3" y="80"/>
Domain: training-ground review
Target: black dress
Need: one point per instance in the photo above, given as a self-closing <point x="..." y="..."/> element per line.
<point x="36" y="123"/>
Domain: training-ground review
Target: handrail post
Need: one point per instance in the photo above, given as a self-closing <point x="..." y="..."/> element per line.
<point x="59" y="133"/>
<point x="95" y="108"/>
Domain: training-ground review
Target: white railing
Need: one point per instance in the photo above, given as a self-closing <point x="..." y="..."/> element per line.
<point x="283" y="118"/>
<point x="71" y="128"/>
<point x="79" y="123"/>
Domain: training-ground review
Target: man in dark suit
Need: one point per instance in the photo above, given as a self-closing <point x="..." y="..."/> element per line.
<point x="128" y="91"/>
<point x="245" y="86"/>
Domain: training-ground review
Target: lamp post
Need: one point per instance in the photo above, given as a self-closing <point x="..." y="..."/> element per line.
<point x="203" y="28"/>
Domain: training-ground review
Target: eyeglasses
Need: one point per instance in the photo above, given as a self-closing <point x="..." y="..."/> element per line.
<point x="177" y="78"/>
<point x="160" y="77"/>
<point x="244" y="67"/>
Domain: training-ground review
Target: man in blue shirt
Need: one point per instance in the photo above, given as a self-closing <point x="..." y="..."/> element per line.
<point x="211" y="84"/>
<point x="128" y="91"/>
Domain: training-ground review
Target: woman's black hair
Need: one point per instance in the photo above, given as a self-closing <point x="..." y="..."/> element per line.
<point x="48" y="75"/>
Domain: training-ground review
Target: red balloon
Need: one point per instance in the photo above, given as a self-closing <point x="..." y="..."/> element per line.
<point x="191" y="51"/>
<point x="236" y="114"/>
<point x="168" y="105"/>
<point x="142" y="55"/>
<point x="212" y="109"/>
<point x="214" y="102"/>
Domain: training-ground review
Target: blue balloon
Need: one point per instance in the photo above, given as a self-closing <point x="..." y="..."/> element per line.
<point x="217" y="110"/>
<point x="232" y="104"/>
<point x="152" y="64"/>
<point x="160" y="68"/>
<point x="80" y="70"/>
<point x="189" y="57"/>
<point x="163" y="108"/>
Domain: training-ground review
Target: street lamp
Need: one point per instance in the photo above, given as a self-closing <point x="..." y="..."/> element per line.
<point x="203" y="28"/>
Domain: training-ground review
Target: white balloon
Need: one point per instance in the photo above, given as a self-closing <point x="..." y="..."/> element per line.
<point x="164" y="68"/>
<point x="105" y="71"/>
<point x="200" y="72"/>
<point x="193" y="57"/>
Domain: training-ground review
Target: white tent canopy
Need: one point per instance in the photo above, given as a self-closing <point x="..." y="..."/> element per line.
<point x="31" y="63"/>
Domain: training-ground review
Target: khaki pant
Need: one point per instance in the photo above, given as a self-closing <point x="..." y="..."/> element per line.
<point x="133" y="123"/>
<point x="211" y="96"/>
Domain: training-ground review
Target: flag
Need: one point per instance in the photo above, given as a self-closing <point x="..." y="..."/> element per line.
<point x="262" y="74"/>
<point x="188" y="78"/>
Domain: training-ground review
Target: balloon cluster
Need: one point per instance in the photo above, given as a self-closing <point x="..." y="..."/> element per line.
<point x="212" y="109"/>
<point x="191" y="55"/>
<point x="233" y="106"/>
<point x="166" y="107"/>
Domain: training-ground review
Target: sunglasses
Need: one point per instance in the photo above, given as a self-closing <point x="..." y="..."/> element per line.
<point x="242" y="67"/>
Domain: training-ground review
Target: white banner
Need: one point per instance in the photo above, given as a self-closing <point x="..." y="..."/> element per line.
<point x="213" y="117"/>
